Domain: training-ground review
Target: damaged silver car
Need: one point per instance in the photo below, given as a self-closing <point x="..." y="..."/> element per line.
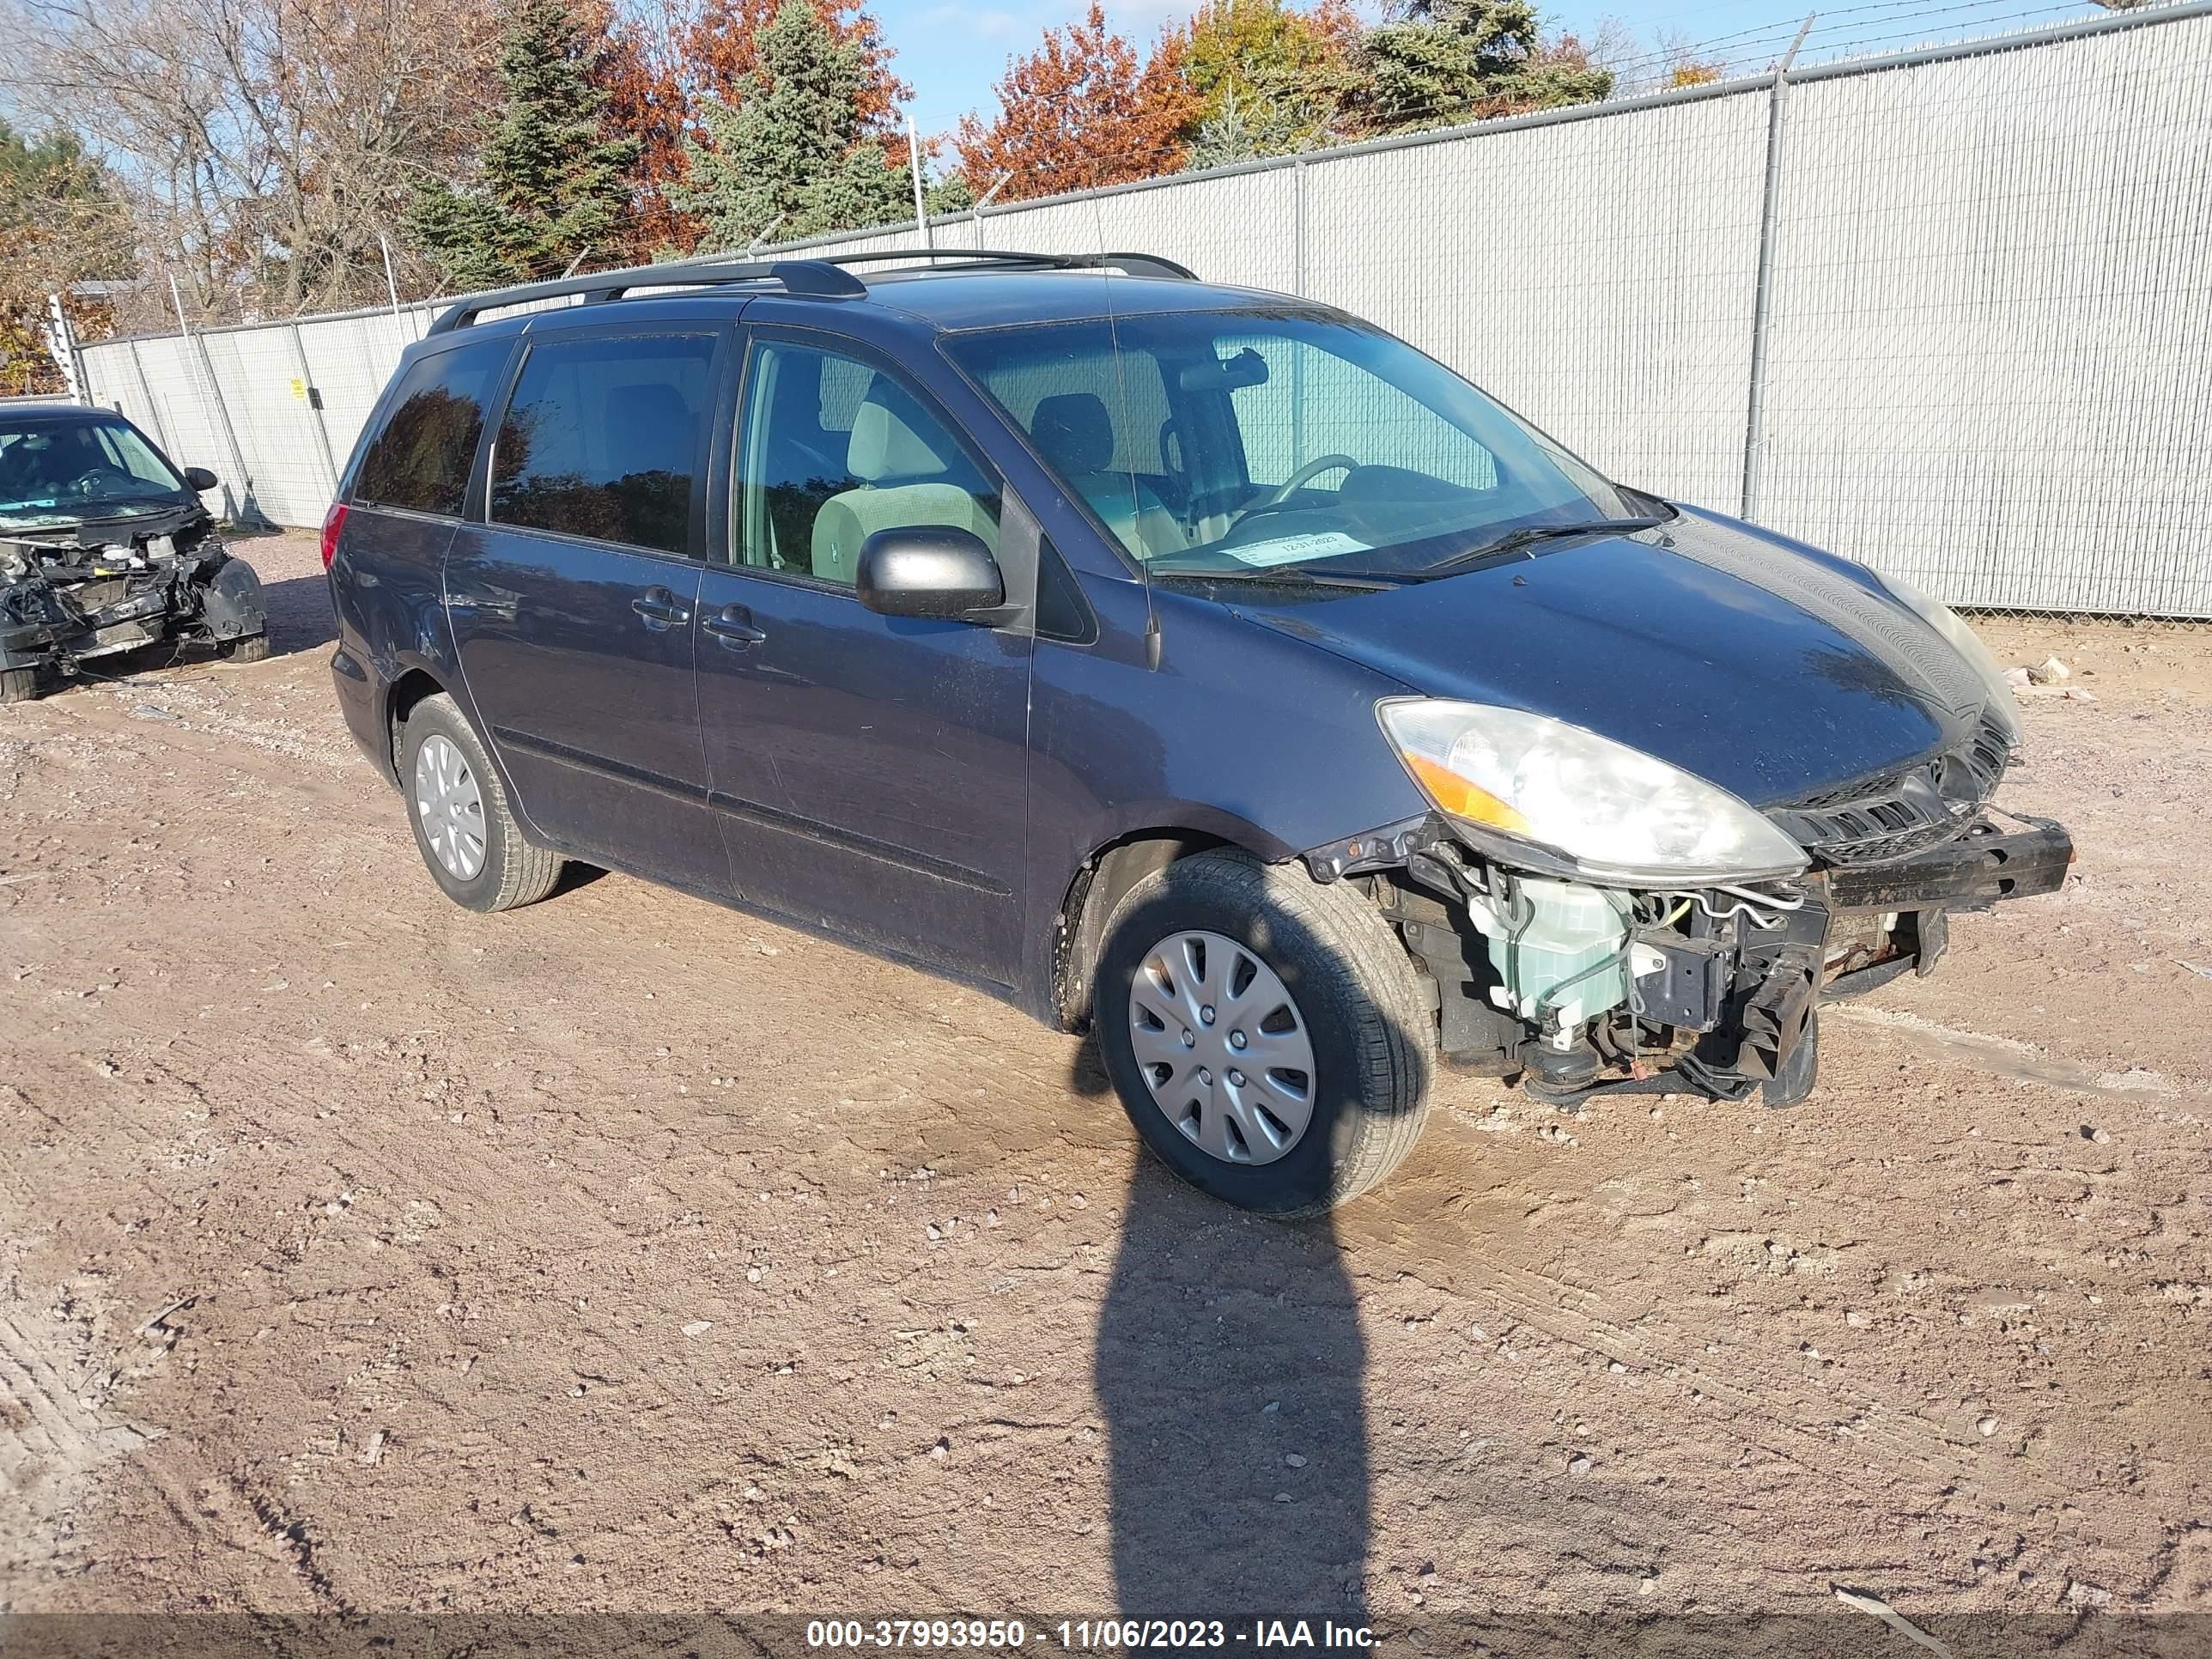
<point x="105" y="548"/>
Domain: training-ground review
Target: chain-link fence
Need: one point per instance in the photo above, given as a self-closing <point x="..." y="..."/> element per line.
<point x="1948" y="312"/>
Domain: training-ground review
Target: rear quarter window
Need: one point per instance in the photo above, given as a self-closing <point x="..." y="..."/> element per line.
<point x="420" y="458"/>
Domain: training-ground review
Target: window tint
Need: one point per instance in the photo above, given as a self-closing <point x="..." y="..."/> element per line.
<point x="602" y="438"/>
<point x="1131" y="392"/>
<point x="1314" y="402"/>
<point x="835" y="451"/>
<point x="1229" y="442"/>
<point x="421" y="459"/>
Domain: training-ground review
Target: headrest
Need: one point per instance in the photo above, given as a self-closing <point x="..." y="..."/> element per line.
<point x="885" y="447"/>
<point x="1072" y="433"/>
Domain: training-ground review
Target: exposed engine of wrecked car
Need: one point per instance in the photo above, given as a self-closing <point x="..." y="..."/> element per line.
<point x="105" y="548"/>
<point x="88" y="590"/>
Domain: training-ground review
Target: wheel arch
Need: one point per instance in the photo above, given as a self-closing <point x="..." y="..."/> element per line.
<point x="408" y="689"/>
<point x="1104" y="878"/>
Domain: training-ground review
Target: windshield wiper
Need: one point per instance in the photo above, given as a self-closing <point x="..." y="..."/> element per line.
<point x="1284" y="575"/>
<point x="1513" y="540"/>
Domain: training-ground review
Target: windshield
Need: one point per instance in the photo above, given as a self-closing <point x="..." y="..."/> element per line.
<point x="52" y="470"/>
<point x="1230" y="442"/>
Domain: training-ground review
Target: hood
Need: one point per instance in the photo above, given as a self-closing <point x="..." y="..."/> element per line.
<point x="1763" y="666"/>
<point x="97" y="524"/>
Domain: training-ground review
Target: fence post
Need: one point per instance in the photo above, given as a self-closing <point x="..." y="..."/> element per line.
<point x="61" y="340"/>
<point x="314" y="400"/>
<point x="246" y="503"/>
<point x="1299" y="218"/>
<point x="153" y="409"/>
<point x="1762" y="302"/>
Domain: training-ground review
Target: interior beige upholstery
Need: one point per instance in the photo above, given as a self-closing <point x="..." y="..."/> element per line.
<point x="1076" y="438"/>
<point x="885" y="447"/>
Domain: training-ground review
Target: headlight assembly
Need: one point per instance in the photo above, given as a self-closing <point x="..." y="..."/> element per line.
<point x="1555" y="798"/>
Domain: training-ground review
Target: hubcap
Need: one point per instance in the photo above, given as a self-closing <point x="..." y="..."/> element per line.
<point x="450" y="806"/>
<point x="1223" y="1047"/>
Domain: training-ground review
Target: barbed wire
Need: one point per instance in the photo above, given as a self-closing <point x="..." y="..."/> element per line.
<point x="1824" y="36"/>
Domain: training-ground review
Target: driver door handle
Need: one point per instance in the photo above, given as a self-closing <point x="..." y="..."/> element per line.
<point x="733" y="625"/>
<point x="661" y="610"/>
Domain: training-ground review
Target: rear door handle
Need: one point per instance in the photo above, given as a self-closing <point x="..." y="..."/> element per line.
<point x="733" y="625"/>
<point x="661" y="610"/>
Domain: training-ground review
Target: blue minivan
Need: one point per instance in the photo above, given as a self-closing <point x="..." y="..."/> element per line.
<point x="1201" y="666"/>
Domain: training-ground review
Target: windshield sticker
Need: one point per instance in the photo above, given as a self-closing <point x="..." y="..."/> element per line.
<point x="1294" y="549"/>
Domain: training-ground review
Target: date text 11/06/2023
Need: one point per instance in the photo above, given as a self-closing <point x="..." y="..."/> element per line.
<point x="1084" y="1635"/>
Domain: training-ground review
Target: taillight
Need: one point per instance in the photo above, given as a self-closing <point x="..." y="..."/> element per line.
<point x="333" y="527"/>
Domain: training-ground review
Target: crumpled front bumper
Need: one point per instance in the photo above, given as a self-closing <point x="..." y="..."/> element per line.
<point x="50" y="625"/>
<point x="1859" y="927"/>
<point x="2001" y="855"/>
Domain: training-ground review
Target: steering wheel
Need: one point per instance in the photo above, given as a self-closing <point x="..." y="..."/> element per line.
<point x="1305" y="476"/>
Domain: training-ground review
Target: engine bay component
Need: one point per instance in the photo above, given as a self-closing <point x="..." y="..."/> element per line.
<point x="71" y="593"/>
<point x="1559" y="947"/>
<point x="1584" y="989"/>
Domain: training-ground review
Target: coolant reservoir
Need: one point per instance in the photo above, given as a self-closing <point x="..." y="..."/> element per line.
<point x="1559" y="936"/>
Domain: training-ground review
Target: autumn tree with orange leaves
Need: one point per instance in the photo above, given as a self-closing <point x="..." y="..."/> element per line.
<point x="1080" y="111"/>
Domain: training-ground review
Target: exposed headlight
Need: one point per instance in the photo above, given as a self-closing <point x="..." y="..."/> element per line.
<point x="1963" y="640"/>
<point x="1556" y="798"/>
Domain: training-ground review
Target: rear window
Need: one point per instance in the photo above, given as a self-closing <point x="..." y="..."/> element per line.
<point x="419" y="459"/>
<point x="603" y="437"/>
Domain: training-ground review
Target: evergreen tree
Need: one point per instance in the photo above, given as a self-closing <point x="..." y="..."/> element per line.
<point x="551" y="183"/>
<point x="1449" y="61"/>
<point x="788" y="158"/>
<point x="1244" y="129"/>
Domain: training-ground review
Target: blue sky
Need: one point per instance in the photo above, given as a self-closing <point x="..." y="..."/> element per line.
<point x="952" y="51"/>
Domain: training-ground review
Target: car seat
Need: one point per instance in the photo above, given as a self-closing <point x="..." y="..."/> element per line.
<point x="885" y="448"/>
<point x="1076" y="438"/>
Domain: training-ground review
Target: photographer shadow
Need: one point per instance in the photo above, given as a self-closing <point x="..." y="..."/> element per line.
<point x="1229" y="1372"/>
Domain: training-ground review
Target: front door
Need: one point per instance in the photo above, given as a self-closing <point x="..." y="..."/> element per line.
<point x="870" y="773"/>
<point x="574" y="605"/>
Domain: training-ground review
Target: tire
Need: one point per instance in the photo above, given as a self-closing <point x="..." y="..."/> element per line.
<point x="18" y="684"/>
<point x="253" y="647"/>
<point x="1351" y="990"/>
<point x="506" y="871"/>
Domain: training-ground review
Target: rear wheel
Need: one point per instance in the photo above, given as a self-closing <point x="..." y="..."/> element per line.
<point x="463" y="827"/>
<point x="18" y="684"/>
<point x="1268" y="1036"/>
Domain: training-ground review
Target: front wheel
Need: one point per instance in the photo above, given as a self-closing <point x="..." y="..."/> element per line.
<point x="252" y="647"/>
<point x="1268" y="1036"/>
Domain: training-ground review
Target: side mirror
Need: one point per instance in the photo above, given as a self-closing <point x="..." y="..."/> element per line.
<point x="198" y="479"/>
<point x="928" y="570"/>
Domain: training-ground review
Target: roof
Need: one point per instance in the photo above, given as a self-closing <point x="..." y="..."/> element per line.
<point x="12" y="410"/>
<point x="989" y="289"/>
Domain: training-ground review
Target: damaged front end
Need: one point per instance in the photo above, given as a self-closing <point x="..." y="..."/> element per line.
<point x="73" y="592"/>
<point x="1584" y="985"/>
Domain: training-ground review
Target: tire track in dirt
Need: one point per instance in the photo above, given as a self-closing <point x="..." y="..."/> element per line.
<point x="54" y="1446"/>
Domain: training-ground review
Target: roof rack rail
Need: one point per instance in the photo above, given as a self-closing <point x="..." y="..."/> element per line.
<point x="816" y="277"/>
<point x="1136" y="265"/>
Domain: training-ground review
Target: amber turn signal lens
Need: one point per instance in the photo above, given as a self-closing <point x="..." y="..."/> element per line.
<point x="1463" y="800"/>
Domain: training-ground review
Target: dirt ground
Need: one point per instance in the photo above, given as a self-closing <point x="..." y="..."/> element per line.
<point x="358" y="1254"/>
